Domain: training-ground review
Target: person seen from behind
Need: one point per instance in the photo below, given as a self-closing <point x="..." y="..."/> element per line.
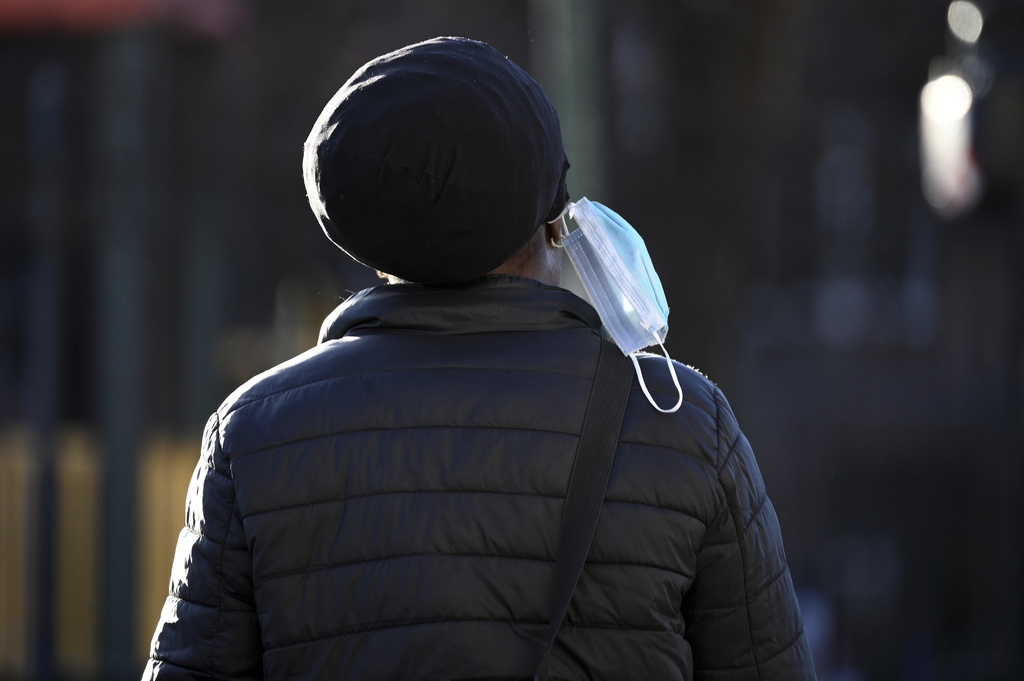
<point x="388" y="504"/>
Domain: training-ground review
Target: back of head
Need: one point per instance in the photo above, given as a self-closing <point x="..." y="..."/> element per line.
<point x="436" y="162"/>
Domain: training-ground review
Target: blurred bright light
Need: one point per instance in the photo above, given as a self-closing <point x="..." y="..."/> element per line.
<point x="965" y="20"/>
<point x="950" y="176"/>
<point x="946" y="99"/>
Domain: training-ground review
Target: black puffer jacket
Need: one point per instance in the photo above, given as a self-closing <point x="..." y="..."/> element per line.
<point x="386" y="506"/>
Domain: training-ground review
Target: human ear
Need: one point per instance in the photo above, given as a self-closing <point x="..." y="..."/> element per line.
<point x="554" y="232"/>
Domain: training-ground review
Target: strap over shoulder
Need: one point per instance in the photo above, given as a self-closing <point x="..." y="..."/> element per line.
<point x="588" y="481"/>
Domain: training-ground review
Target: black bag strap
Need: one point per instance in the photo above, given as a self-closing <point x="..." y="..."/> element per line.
<point x="591" y="469"/>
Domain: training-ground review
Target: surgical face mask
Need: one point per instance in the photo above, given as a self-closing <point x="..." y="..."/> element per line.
<point x="615" y="269"/>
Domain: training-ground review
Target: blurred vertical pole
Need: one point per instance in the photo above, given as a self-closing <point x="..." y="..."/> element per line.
<point x="204" y="291"/>
<point x="212" y="164"/>
<point x="45" y="208"/>
<point x="566" y="57"/>
<point x="125" y="192"/>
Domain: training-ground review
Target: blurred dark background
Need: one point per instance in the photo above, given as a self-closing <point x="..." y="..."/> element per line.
<point x="832" y="192"/>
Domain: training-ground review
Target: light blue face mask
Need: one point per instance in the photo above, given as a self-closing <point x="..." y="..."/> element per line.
<point x="616" y="272"/>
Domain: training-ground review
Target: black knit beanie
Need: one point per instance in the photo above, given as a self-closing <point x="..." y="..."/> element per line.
<point x="436" y="162"/>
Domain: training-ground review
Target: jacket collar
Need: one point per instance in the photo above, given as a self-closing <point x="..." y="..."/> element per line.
<point x="491" y="303"/>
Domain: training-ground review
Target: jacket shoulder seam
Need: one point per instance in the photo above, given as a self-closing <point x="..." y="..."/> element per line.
<point x="441" y="426"/>
<point x="220" y="566"/>
<point x="742" y="550"/>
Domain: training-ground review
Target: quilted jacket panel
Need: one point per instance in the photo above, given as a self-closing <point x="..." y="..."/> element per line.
<point x="386" y="506"/>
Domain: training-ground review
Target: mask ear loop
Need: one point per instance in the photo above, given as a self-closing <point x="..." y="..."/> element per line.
<point x="675" y="380"/>
<point x="563" y="228"/>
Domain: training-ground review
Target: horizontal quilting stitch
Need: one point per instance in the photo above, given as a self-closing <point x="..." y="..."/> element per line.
<point x="398" y="492"/>
<point x="192" y="530"/>
<point x="391" y="429"/>
<point x="696" y="456"/>
<point x="718" y="544"/>
<point x="714" y="608"/>
<point x="615" y="626"/>
<point x="670" y="509"/>
<point x="370" y="627"/>
<point x="362" y="374"/>
<point x="635" y="564"/>
<point x="211" y="469"/>
<point x="381" y="559"/>
<point x="199" y="604"/>
<point x="245" y="611"/>
<point x="204" y="674"/>
<point x="540" y="559"/>
<point x="729" y="668"/>
<point x="535" y="495"/>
